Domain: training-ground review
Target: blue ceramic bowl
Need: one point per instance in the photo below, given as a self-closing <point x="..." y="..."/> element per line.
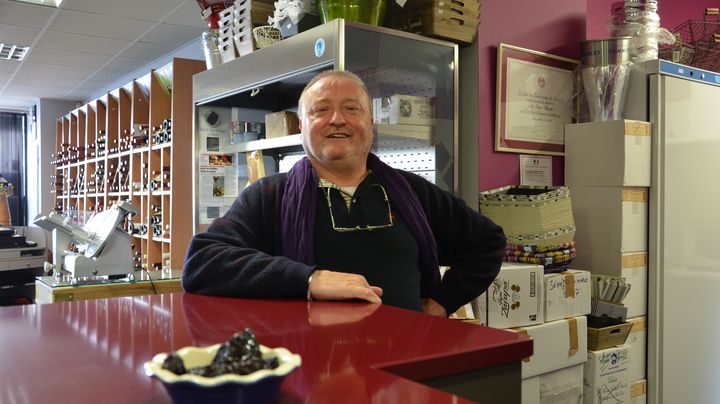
<point x="261" y="386"/>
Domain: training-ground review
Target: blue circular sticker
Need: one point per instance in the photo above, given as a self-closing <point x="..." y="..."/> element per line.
<point x="319" y="47"/>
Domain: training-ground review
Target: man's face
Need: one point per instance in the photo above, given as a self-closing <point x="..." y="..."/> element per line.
<point x="336" y="123"/>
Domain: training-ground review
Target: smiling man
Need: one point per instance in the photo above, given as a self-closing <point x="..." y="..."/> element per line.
<point x="344" y="225"/>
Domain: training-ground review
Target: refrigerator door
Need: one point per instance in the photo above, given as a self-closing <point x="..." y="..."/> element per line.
<point x="684" y="276"/>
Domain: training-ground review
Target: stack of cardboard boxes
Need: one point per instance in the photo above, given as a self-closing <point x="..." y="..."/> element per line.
<point x="607" y="167"/>
<point x="551" y="309"/>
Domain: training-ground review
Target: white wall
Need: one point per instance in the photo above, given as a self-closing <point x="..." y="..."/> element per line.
<point x="40" y="146"/>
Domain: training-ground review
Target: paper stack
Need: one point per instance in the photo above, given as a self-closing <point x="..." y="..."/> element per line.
<point x="537" y="221"/>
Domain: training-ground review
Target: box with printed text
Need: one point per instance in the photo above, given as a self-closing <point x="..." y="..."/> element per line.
<point x="400" y="109"/>
<point x="515" y="297"/>
<point x="606" y="376"/>
<point x="567" y="294"/>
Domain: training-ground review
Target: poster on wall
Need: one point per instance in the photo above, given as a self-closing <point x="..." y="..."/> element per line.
<point x="535" y="170"/>
<point x="213" y="128"/>
<point x="534" y="101"/>
<point x="218" y="184"/>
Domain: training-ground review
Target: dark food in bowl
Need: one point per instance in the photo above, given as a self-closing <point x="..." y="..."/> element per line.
<point x="239" y="355"/>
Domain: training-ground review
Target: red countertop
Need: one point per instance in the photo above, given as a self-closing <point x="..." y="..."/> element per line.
<point x="94" y="350"/>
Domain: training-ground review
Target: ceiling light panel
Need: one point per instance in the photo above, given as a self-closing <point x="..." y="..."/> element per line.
<point x="49" y="3"/>
<point x="13" y="52"/>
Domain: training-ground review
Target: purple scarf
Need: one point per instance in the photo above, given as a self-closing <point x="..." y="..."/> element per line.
<point x="298" y="216"/>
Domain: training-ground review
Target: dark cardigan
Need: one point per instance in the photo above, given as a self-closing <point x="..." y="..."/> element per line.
<point x="238" y="255"/>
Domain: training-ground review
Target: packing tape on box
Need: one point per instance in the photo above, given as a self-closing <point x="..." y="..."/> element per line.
<point x="637" y="128"/>
<point x="635" y="260"/>
<point x="638" y="389"/>
<point x="569" y="285"/>
<point x="573" y="335"/>
<point x="638" y="324"/>
<point x="635" y="195"/>
<point x="524" y="332"/>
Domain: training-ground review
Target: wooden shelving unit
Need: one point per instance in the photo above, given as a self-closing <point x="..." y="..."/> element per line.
<point x="134" y="144"/>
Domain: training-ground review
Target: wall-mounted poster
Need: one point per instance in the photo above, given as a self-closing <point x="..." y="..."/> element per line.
<point x="534" y="101"/>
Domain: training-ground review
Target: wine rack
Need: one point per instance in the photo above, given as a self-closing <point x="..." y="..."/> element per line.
<point x="134" y="144"/>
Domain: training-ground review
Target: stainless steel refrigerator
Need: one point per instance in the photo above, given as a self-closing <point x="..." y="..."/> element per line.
<point x="683" y="104"/>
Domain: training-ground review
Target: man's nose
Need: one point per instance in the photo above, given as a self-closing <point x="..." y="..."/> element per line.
<point x="337" y="117"/>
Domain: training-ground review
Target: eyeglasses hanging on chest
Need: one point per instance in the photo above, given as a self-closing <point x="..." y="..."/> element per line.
<point x="369" y="220"/>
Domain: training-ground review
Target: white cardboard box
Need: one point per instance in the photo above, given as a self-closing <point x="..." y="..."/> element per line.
<point x="606" y="376"/>
<point x="637" y="342"/>
<point x="610" y="219"/>
<point x="562" y="386"/>
<point x="638" y="392"/>
<point x="567" y="294"/>
<point x="631" y="266"/>
<point x="515" y="297"/>
<point x="556" y="345"/>
<point x="608" y="154"/>
<point x="404" y="110"/>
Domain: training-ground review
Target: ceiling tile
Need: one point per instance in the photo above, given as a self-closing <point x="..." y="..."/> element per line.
<point x="172" y="34"/>
<point x="37" y="92"/>
<point x="24" y="15"/>
<point x="72" y="72"/>
<point x="33" y="79"/>
<point x="67" y="58"/>
<point x="109" y="75"/>
<point x="127" y="64"/>
<point x="135" y="9"/>
<point x="99" y="25"/>
<point x="17" y="35"/>
<point x="189" y="14"/>
<point x="8" y="66"/>
<point x="146" y="50"/>
<point x="86" y="88"/>
<point x="83" y="43"/>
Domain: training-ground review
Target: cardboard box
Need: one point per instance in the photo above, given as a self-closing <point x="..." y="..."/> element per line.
<point x="562" y="386"/>
<point x="631" y="266"/>
<point x="515" y="298"/>
<point x="567" y="294"/>
<point x="608" y="337"/>
<point x="638" y="392"/>
<point x="608" y="154"/>
<point x="281" y="123"/>
<point x="605" y="378"/>
<point x="401" y="109"/>
<point x="637" y="341"/>
<point x="610" y="219"/>
<point x="556" y="345"/>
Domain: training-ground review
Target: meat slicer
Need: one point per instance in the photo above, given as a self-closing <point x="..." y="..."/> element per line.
<point x="103" y="248"/>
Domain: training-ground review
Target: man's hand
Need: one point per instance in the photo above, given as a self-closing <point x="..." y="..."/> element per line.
<point x="331" y="285"/>
<point x="433" y="308"/>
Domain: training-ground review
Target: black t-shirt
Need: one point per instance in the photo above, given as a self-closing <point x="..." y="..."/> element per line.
<point x="387" y="256"/>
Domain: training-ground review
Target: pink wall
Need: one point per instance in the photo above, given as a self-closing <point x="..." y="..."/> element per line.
<point x="555" y="27"/>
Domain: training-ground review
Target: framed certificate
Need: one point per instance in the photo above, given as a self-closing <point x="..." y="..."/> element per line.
<point x="534" y="101"/>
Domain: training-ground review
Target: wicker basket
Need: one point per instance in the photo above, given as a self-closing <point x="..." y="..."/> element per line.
<point x="266" y="35"/>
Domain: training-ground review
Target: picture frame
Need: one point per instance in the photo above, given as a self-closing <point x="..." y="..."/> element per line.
<point x="534" y="100"/>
